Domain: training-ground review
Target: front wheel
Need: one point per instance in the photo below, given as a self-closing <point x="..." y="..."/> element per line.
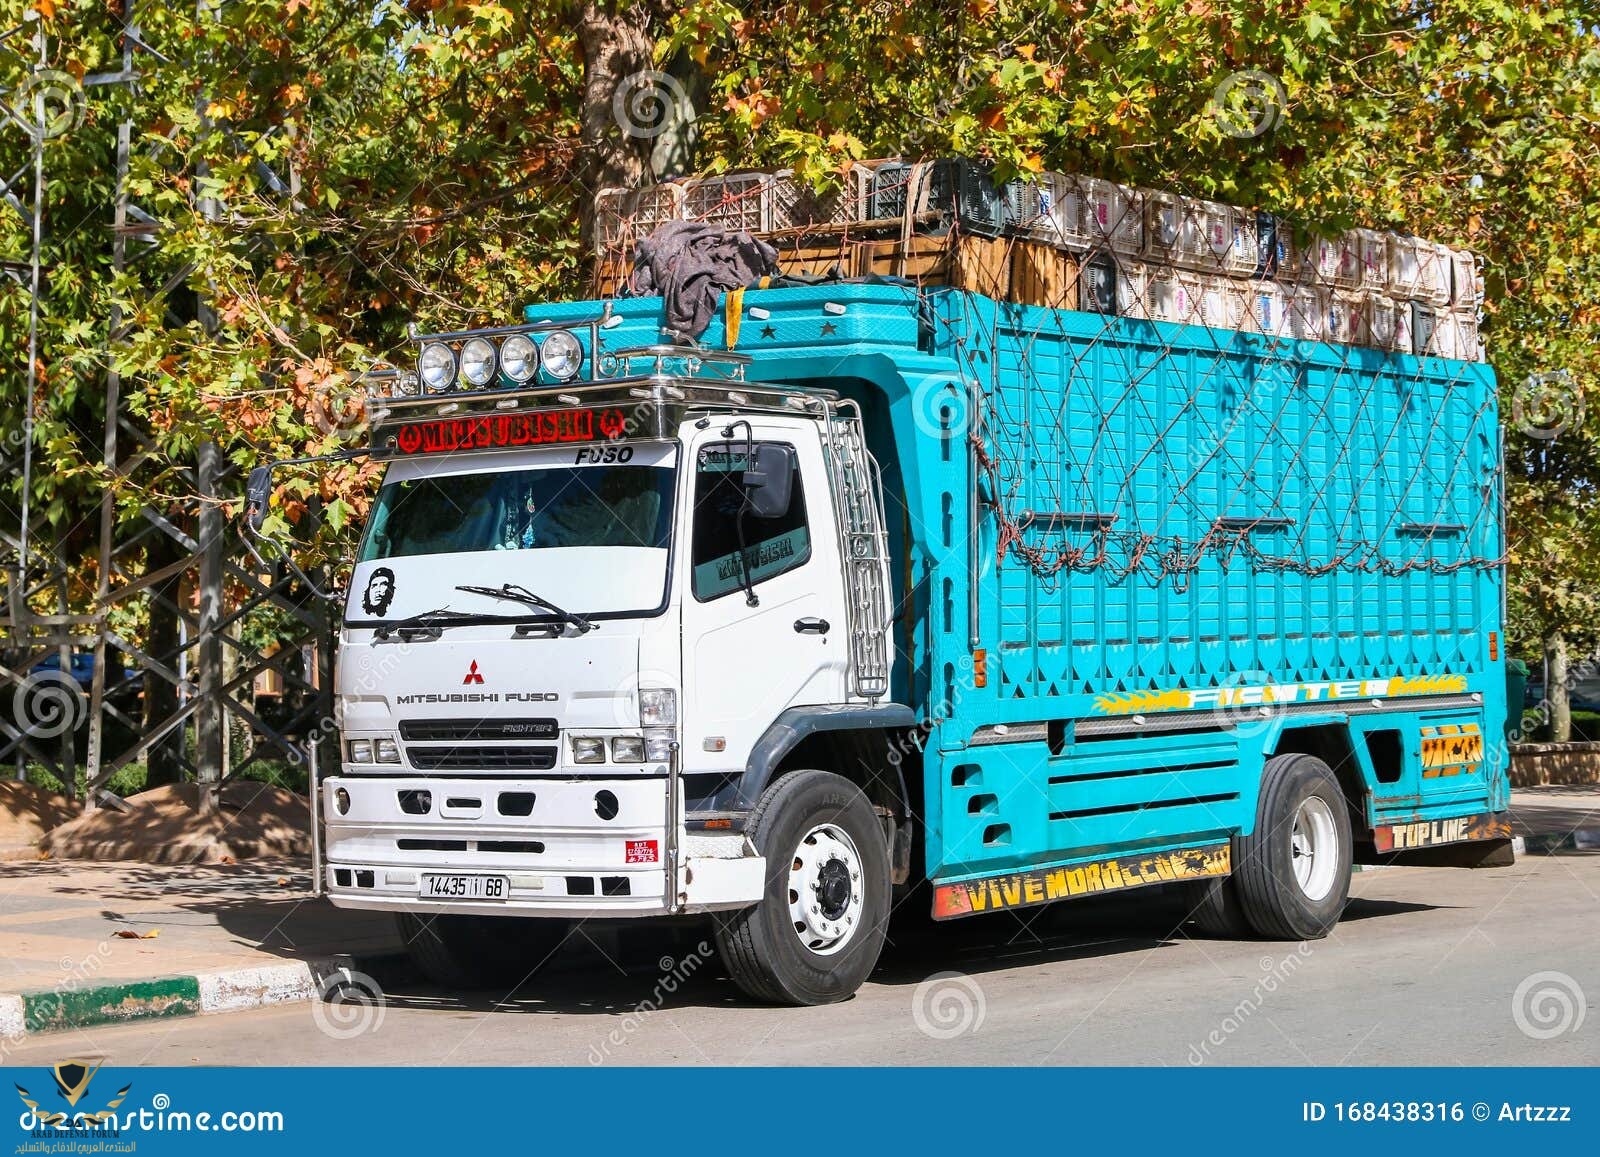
<point x="817" y="933"/>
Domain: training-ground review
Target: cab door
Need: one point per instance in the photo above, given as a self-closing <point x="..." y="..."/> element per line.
<point x="744" y="664"/>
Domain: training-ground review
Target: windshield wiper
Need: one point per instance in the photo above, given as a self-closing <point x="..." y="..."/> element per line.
<point x="430" y="622"/>
<point x="521" y="594"/>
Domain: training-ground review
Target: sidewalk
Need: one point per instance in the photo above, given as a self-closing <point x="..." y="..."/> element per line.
<point x="243" y="935"/>
<point x="203" y="938"/>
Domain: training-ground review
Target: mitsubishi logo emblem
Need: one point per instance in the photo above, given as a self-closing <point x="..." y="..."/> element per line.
<point x="472" y="674"/>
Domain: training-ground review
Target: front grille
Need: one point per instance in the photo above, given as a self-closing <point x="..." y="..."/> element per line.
<point x="472" y="730"/>
<point x="482" y="758"/>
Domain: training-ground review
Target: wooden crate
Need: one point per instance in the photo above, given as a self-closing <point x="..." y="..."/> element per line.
<point x="982" y="265"/>
<point x="1043" y="275"/>
<point x="816" y="260"/>
<point x="925" y="260"/>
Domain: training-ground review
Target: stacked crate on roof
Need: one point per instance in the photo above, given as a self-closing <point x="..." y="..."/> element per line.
<point x="1077" y="242"/>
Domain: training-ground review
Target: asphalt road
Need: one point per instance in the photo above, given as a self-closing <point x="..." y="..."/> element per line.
<point x="1430" y="966"/>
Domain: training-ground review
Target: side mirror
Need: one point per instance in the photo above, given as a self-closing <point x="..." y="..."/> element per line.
<point x="769" y="482"/>
<point x="257" y="494"/>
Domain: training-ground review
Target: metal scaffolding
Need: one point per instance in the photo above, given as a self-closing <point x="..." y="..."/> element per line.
<point x="80" y="691"/>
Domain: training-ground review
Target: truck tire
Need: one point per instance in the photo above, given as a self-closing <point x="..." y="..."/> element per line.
<point x="471" y="952"/>
<point x="816" y="934"/>
<point x="1292" y="874"/>
<point x="1217" y="910"/>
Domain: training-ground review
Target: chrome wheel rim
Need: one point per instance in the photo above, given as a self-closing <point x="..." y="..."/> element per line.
<point x="825" y="889"/>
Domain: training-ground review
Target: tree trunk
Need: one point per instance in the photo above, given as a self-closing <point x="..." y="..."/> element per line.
<point x="613" y="124"/>
<point x="1557" y="688"/>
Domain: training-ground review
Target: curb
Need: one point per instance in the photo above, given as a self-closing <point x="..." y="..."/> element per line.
<point x="1549" y="844"/>
<point x="29" y="1013"/>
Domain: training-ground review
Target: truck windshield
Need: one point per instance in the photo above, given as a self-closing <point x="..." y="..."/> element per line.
<point x="619" y="505"/>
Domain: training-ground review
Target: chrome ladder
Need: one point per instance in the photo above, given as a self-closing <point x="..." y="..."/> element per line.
<point x="863" y="547"/>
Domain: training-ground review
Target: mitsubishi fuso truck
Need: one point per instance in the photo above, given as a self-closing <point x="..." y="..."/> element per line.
<point x="881" y="595"/>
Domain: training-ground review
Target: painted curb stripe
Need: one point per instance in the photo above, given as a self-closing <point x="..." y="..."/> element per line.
<point x="237" y="990"/>
<point x="111" y="1004"/>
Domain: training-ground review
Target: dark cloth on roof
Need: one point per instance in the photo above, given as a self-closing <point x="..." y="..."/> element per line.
<point x="690" y="264"/>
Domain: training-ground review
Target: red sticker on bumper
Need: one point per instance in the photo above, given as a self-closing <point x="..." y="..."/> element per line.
<point x="643" y="852"/>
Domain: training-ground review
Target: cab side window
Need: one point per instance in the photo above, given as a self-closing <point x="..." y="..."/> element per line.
<point x="772" y="545"/>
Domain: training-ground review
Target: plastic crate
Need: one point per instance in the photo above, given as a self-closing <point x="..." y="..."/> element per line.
<point x="1422" y="325"/>
<point x="1207" y="239"/>
<point x="1099" y="289"/>
<point x="1466" y="279"/>
<point x="1113" y="216"/>
<point x="796" y="205"/>
<point x="1269" y="310"/>
<point x="1048" y="208"/>
<point x="1343" y="317"/>
<point x="738" y="203"/>
<point x="1171" y="295"/>
<point x="1372" y="249"/>
<point x="1334" y="263"/>
<point x="1455" y="335"/>
<point x="1306" y="312"/>
<point x="1224" y="303"/>
<point x="1164" y="214"/>
<point x="958" y="190"/>
<point x="1277" y="255"/>
<point x="622" y="217"/>
<point x="1419" y="269"/>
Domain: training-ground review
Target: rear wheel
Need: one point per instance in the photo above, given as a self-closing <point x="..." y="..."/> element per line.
<point x="1292" y="874"/>
<point x="1217" y="910"/>
<point x="468" y="952"/>
<point x="819" y="929"/>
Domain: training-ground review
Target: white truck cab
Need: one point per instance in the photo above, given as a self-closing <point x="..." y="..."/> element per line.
<point x="573" y="619"/>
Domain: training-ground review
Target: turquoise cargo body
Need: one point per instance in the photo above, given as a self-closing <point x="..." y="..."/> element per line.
<point x="1137" y="559"/>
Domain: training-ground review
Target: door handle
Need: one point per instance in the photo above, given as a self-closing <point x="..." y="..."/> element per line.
<point x="812" y="626"/>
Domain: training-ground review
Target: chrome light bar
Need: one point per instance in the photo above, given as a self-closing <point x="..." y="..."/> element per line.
<point x="516" y="357"/>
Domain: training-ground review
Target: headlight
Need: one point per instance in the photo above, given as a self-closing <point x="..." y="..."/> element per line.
<point x="519" y="357"/>
<point x="657" y="748"/>
<point x="386" y="751"/>
<point x="627" y="749"/>
<point x="658" y="708"/>
<point x="437" y="367"/>
<point x="405" y="385"/>
<point x="588" y="749"/>
<point x="561" y="355"/>
<point x="361" y="751"/>
<point x="477" y="361"/>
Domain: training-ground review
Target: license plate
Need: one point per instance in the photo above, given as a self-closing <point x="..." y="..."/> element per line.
<point x="465" y="887"/>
